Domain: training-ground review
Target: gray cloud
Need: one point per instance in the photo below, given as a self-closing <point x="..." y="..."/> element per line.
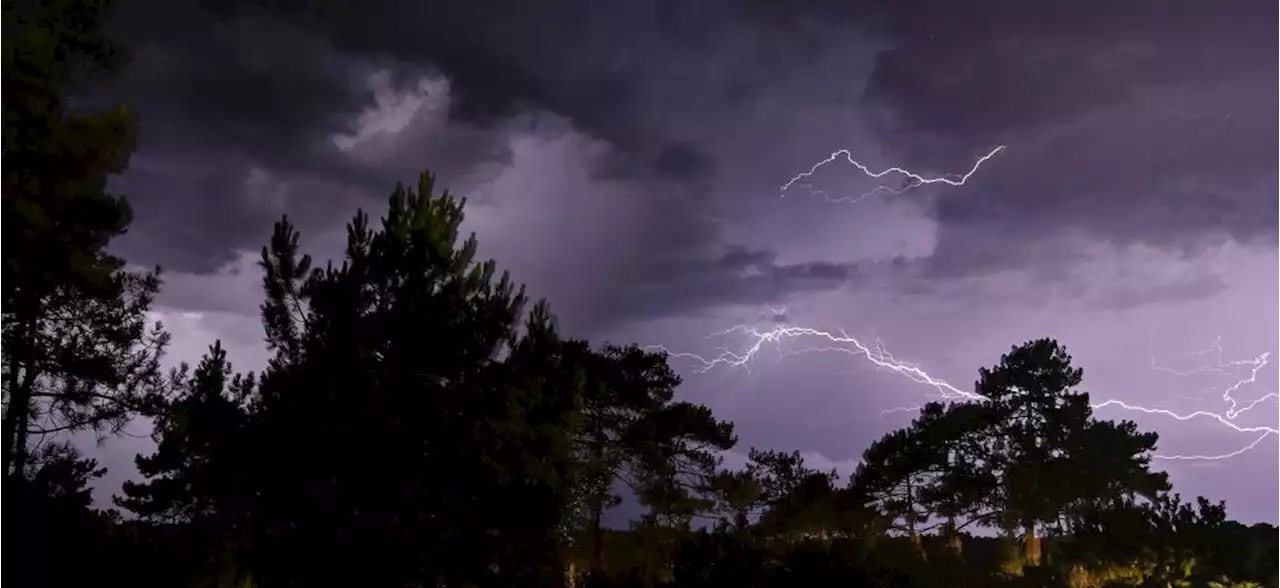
<point x="1140" y="122"/>
<point x="258" y="112"/>
<point x="1004" y="67"/>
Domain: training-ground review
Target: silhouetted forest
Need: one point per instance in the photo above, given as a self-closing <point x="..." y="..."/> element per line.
<point x="420" y="423"/>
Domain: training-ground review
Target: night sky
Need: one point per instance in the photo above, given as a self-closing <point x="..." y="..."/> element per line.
<point x="625" y="159"/>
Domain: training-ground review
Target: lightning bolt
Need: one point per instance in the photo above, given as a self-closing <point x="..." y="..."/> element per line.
<point x="842" y="343"/>
<point x="874" y="352"/>
<point x="914" y="180"/>
<point x="1223" y="368"/>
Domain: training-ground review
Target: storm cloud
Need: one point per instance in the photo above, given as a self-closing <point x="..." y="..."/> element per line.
<point x="625" y="161"/>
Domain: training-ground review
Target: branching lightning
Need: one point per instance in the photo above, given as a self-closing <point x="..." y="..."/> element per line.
<point x="874" y="352"/>
<point x="842" y="343"/>
<point x="913" y="180"/>
<point x="1221" y="367"/>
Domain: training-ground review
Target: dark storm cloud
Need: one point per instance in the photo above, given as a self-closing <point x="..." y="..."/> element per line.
<point x="987" y="70"/>
<point x="218" y="100"/>
<point x="1141" y="121"/>
<point x="240" y="102"/>
<point x="579" y="58"/>
<point x="229" y="97"/>
<point x="240" y="99"/>
<point x="681" y="160"/>
<point x="739" y="276"/>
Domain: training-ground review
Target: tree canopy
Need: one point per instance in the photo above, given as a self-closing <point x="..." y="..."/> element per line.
<point x="78" y="350"/>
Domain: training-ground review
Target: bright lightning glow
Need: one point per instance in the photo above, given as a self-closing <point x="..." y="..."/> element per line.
<point x="842" y="343"/>
<point x="873" y="352"/>
<point x="913" y="180"/>
<point x="1223" y="368"/>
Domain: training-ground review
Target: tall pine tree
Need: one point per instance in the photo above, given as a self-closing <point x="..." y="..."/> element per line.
<point x="1048" y="451"/>
<point x="412" y="428"/>
<point x="78" y="350"/>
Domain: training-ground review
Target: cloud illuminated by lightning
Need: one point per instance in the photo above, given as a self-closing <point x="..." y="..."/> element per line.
<point x="913" y="180"/>
<point x="873" y="352"/>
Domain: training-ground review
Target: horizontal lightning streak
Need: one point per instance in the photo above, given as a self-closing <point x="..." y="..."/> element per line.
<point x="874" y="352"/>
<point x="914" y="180"/>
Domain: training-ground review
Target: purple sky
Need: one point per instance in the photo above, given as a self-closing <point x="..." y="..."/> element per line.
<point x="625" y="162"/>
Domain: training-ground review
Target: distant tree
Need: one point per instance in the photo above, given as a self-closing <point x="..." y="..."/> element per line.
<point x="929" y="477"/>
<point x="1029" y="456"/>
<point x="673" y="457"/>
<point x="780" y="473"/>
<point x="770" y="491"/>
<point x="796" y="501"/>
<point x="1182" y="535"/>
<point x="892" y="476"/>
<point x="203" y="440"/>
<point x="736" y="499"/>
<point x="57" y="472"/>
<point x="936" y="473"/>
<point x="674" y="453"/>
<point x="636" y="435"/>
<point x="961" y="482"/>
<point x="1049" y="453"/>
<point x="199" y="484"/>
<point x="78" y="351"/>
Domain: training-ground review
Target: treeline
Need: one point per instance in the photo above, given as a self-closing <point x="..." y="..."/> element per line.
<point x="420" y="423"/>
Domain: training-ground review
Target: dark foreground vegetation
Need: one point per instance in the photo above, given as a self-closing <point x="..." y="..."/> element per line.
<point x="420" y="425"/>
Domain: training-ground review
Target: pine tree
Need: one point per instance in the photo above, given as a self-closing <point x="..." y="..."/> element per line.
<point x="1048" y="451"/>
<point x="634" y="434"/>
<point x="412" y="428"/>
<point x="78" y="350"/>
<point x="203" y="436"/>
